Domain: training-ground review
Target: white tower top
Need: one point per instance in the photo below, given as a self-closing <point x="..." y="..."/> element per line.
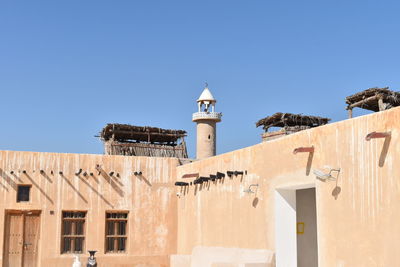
<point x="206" y="96"/>
<point x="206" y="107"/>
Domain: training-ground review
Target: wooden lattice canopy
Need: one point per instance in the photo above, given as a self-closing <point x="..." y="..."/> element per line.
<point x="375" y="99"/>
<point x="291" y="120"/>
<point x="131" y="133"/>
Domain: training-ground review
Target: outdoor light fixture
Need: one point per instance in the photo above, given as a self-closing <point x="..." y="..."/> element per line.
<point x="249" y="189"/>
<point x="309" y="149"/>
<point x="236" y="173"/>
<point x="137" y="173"/>
<point x="198" y="181"/>
<point x="377" y="135"/>
<point x="325" y="176"/>
<point x="220" y="175"/>
<point x="205" y="179"/>
<point x="181" y="184"/>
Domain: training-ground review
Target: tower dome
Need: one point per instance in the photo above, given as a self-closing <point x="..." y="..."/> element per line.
<point x="206" y="95"/>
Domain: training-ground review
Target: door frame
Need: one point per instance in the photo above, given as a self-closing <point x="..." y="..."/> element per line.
<point x="286" y="222"/>
<point x="22" y="212"/>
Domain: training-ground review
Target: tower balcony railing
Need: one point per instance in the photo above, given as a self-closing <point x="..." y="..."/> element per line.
<point x="207" y="115"/>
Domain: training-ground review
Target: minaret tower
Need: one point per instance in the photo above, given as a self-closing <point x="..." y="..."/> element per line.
<point x="206" y="119"/>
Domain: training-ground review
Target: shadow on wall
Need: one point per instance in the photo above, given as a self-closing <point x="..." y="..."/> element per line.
<point x="385" y="150"/>
<point x="144" y="179"/>
<point x="309" y="162"/>
<point x="95" y="191"/>
<point x="74" y="188"/>
<point x="8" y="180"/>
<point x="336" y="191"/>
<point x="110" y="180"/>
<point x="40" y="189"/>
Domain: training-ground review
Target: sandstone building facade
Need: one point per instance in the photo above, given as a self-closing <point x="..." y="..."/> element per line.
<point x="325" y="196"/>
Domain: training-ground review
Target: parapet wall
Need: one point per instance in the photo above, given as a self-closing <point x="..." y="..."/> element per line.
<point x="356" y="214"/>
<point x="149" y="200"/>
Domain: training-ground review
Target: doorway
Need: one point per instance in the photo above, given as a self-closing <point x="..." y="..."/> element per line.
<point x="296" y="227"/>
<point x="21" y="238"/>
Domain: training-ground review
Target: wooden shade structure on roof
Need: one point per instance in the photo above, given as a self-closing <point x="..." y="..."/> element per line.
<point x="374" y="99"/>
<point x="290" y="123"/>
<point x="125" y="139"/>
<point x="291" y="120"/>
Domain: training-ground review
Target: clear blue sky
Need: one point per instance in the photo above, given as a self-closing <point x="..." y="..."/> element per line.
<point x="69" y="67"/>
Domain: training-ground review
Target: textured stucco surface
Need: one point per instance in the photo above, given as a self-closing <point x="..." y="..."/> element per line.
<point x="206" y="139"/>
<point x="356" y="215"/>
<point x="150" y="200"/>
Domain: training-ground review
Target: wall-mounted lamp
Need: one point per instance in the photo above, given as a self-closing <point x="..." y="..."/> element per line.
<point x="220" y="175"/>
<point x="236" y="173"/>
<point x="309" y="149"/>
<point x="248" y="190"/>
<point x="325" y="176"/>
<point x="198" y="181"/>
<point x="204" y="179"/>
<point x="377" y="135"/>
<point x="138" y="173"/>
<point x="181" y="184"/>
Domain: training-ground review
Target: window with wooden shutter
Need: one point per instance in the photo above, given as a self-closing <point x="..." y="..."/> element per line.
<point x="116" y="232"/>
<point x="73" y="231"/>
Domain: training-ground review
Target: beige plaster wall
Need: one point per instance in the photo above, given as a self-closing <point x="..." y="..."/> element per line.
<point x="149" y="199"/>
<point x="357" y="215"/>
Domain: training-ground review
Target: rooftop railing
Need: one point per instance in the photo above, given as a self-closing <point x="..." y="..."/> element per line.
<point x="207" y="115"/>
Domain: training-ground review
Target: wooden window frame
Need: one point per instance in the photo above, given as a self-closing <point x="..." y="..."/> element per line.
<point x="116" y="236"/>
<point x="29" y="195"/>
<point x="73" y="236"/>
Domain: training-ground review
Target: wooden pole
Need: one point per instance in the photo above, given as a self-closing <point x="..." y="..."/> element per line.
<point x="381" y="105"/>
<point x="350" y="112"/>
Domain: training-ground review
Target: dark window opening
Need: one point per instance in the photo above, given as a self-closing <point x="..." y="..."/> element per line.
<point x="23" y="193"/>
<point x="209" y="136"/>
<point x="116" y="232"/>
<point x="73" y="231"/>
